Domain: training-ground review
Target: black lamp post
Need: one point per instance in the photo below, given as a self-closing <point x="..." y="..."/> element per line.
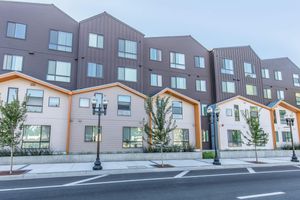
<point x="98" y="110"/>
<point x="290" y="122"/>
<point x="214" y="114"/>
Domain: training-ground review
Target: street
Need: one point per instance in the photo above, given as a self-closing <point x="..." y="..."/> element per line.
<point x="280" y="182"/>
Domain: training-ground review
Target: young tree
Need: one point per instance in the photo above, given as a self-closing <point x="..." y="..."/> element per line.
<point x="256" y="136"/>
<point x="160" y="124"/>
<point x="12" y="119"/>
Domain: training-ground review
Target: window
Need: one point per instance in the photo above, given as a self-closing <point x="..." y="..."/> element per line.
<point x="177" y="110"/>
<point x="95" y="40"/>
<point x="177" y="60"/>
<point x="297" y="98"/>
<point x="251" y="90"/>
<point x="227" y="67"/>
<point x="275" y="117"/>
<point x="99" y="98"/>
<point x="201" y="85"/>
<point x="181" y="137"/>
<point x="236" y="113"/>
<point x="267" y="93"/>
<point x="228" y="112"/>
<point x="59" y="71"/>
<point x="249" y="70"/>
<point x="277" y="136"/>
<point x="178" y="82"/>
<point x="234" y="138"/>
<point x="132" y="137"/>
<point x="282" y="116"/>
<point x="61" y="41"/>
<point x="95" y="70"/>
<point x="265" y="73"/>
<point x="156" y="80"/>
<point x="203" y="109"/>
<point x="124" y="105"/>
<point x="278" y="75"/>
<point x="34" y="100"/>
<point x="199" y="62"/>
<point x="36" y="137"/>
<point x="54" y="102"/>
<point x="127" y="74"/>
<point x="254" y="111"/>
<point x="91" y="133"/>
<point x="84" y="103"/>
<point x="127" y="49"/>
<point x="286" y="136"/>
<point x="13" y="62"/>
<point x="280" y="94"/>
<point x="16" y="30"/>
<point x="12" y="94"/>
<point x="296" y="80"/>
<point x="155" y="54"/>
<point x="205" y="136"/>
<point x="228" y="87"/>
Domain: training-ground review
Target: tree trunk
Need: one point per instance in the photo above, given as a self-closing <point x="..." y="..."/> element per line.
<point x="11" y="158"/>
<point x="256" y="157"/>
<point x="161" y="156"/>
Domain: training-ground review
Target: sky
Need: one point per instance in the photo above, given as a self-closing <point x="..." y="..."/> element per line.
<point x="270" y="27"/>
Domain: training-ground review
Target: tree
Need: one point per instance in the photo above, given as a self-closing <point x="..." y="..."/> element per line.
<point x="160" y="124"/>
<point x="12" y="119"/>
<point x="256" y="136"/>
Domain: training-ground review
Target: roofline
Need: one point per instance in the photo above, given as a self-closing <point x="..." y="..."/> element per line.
<point x="235" y="47"/>
<point x="286" y="105"/>
<point x="280" y="58"/>
<point x="177" y="95"/>
<point x="244" y="99"/>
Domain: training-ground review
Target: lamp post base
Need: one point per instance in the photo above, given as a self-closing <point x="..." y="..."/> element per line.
<point x="294" y="158"/>
<point x="97" y="165"/>
<point x="217" y="161"/>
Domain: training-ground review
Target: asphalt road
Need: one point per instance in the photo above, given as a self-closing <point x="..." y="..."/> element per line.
<point x="282" y="182"/>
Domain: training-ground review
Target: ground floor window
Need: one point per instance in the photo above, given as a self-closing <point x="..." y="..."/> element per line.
<point x="234" y="138"/>
<point x="286" y="136"/>
<point x="205" y="136"/>
<point x="181" y="137"/>
<point x="132" y="137"/>
<point x="91" y="133"/>
<point x="36" y="137"/>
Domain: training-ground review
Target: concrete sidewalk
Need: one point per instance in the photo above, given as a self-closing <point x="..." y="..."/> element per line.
<point x="77" y="169"/>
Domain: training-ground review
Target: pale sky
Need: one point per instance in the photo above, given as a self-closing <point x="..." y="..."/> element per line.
<point x="271" y="27"/>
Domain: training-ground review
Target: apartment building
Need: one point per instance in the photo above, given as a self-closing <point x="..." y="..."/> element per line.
<point x="103" y="50"/>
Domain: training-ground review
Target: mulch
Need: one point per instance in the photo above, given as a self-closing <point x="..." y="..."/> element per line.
<point x="254" y="162"/>
<point x="15" y="172"/>
<point x="165" y="166"/>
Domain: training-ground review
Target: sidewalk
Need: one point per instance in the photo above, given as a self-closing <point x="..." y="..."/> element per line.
<point x="78" y="169"/>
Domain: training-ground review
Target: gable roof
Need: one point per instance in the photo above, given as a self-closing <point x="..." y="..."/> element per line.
<point x="177" y="95"/>
<point x="110" y="85"/>
<point x="14" y="75"/>
<point x="243" y="99"/>
<point x="238" y="47"/>
<point x="283" y="104"/>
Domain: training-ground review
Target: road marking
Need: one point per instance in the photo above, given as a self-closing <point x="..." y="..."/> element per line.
<point x="181" y="174"/>
<point x="86" y="180"/>
<point x="250" y="170"/>
<point x="142" y="180"/>
<point x="297" y="166"/>
<point x="261" y="195"/>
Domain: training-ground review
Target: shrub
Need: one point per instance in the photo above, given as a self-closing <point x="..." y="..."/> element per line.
<point x="173" y="148"/>
<point x="208" y="155"/>
<point x="289" y="147"/>
<point x="26" y="152"/>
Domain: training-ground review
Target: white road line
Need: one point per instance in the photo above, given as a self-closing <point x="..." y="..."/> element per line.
<point x="250" y="170"/>
<point x="86" y="180"/>
<point x="261" y="195"/>
<point x="297" y="166"/>
<point x="181" y="174"/>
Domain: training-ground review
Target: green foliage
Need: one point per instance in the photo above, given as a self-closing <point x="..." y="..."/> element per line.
<point x="289" y="147"/>
<point x="173" y="148"/>
<point x="26" y="152"/>
<point x="208" y="155"/>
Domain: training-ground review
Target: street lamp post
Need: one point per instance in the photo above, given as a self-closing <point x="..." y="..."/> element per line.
<point x="214" y="117"/>
<point x="290" y="122"/>
<point x="98" y="110"/>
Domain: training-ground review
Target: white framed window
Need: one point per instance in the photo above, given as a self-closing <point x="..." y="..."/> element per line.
<point x="59" y="71"/>
<point x="127" y="49"/>
<point x="234" y="138"/>
<point x="178" y="83"/>
<point x="127" y="74"/>
<point x="12" y="94"/>
<point x="205" y="136"/>
<point x="96" y="40"/>
<point x="228" y="112"/>
<point x="201" y="85"/>
<point x="34" y="101"/>
<point x="203" y="109"/>
<point x="132" y="137"/>
<point x="199" y="62"/>
<point x="124" y="105"/>
<point x="91" y="134"/>
<point x="297" y="98"/>
<point x="13" y="62"/>
<point x="60" y="41"/>
<point x="265" y="73"/>
<point x="280" y="94"/>
<point x="228" y="87"/>
<point x="53" y="101"/>
<point x="227" y="66"/>
<point x="36" y="137"/>
<point x="177" y="60"/>
<point x="181" y="137"/>
<point x="251" y="90"/>
<point x="16" y="30"/>
<point x="267" y="93"/>
<point x="155" y="54"/>
<point x="95" y="70"/>
<point x="278" y="75"/>
<point x="156" y="80"/>
<point x="177" y="110"/>
<point x="84" y="102"/>
<point x="249" y="70"/>
<point x="296" y="80"/>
